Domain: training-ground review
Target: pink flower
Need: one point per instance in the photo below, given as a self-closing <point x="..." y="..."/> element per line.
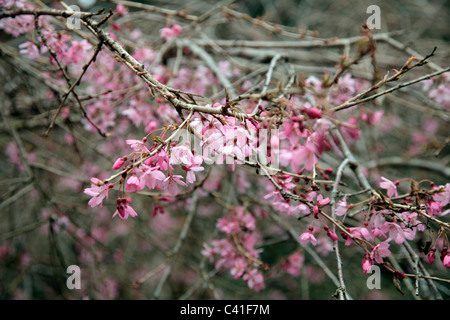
<point x="354" y="232"/>
<point x="123" y="209"/>
<point x="293" y="264"/>
<point x="313" y="113"/>
<point x="303" y="208"/>
<point x="380" y="251"/>
<point x="229" y="227"/>
<point x="171" y="183"/>
<point x="138" y="145"/>
<point x="443" y="197"/>
<point x="330" y="233"/>
<point x="446" y="260"/>
<point x="434" y="208"/>
<point x="151" y="178"/>
<point x="170" y="32"/>
<point x="193" y="165"/>
<point x="98" y="191"/>
<point x="432" y="255"/>
<point x="161" y="160"/>
<point x="247" y="220"/>
<point x="396" y="232"/>
<point x="308" y="237"/>
<point x="133" y="184"/>
<point x="306" y="155"/>
<point x="441" y="94"/>
<point x="389" y="186"/>
<point x="239" y="268"/>
<point x="366" y="233"/>
<point x="341" y="209"/>
<point x="119" y="163"/>
<point x="29" y="48"/>
<point x="320" y="202"/>
<point x="366" y="263"/>
<point x="121" y="10"/>
<point x="254" y="279"/>
<point x="208" y="252"/>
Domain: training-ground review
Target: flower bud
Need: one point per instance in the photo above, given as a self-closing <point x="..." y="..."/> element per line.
<point x="366" y="263"/>
<point x="119" y="163"/>
<point x="313" y="113"/>
<point x="431" y="255"/>
<point x="331" y="234"/>
<point x="446" y="261"/>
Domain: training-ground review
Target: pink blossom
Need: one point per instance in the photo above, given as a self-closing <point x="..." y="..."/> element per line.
<point x="307" y="237"/>
<point x="151" y="178"/>
<point x="396" y="232"/>
<point x="239" y="268"/>
<point x="293" y="264"/>
<point x="441" y="94"/>
<point x="77" y="50"/>
<point x="442" y="197"/>
<point x="98" y="191"/>
<point x="13" y="154"/>
<point x="320" y="202"/>
<point x="432" y="255"/>
<point x="372" y="117"/>
<point x="191" y="165"/>
<point x="119" y="163"/>
<point x="364" y="231"/>
<point x="247" y="220"/>
<point x="341" y="209"/>
<point x="171" y="183"/>
<point x="434" y="208"/>
<point x="138" y="145"/>
<point x="354" y="232"/>
<point x="331" y="234"/>
<point x="29" y="48"/>
<point x="227" y="226"/>
<point x="313" y="112"/>
<point x="133" y="184"/>
<point x="168" y="33"/>
<point x="254" y="279"/>
<point x="208" y="252"/>
<point x="306" y="155"/>
<point x="123" y="209"/>
<point x="380" y="251"/>
<point x="366" y="263"/>
<point x="303" y="208"/>
<point x="161" y="160"/>
<point x="351" y="131"/>
<point x="389" y="186"/>
<point x="121" y="10"/>
<point x="446" y="260"/>
<point x="17" y="25"/>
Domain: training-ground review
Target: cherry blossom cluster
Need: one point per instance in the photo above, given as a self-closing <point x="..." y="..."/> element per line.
<point x="237" y="252"/>
<point x="284" y="138"/>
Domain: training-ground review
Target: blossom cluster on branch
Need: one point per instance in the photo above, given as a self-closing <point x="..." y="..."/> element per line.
<point x="170" y="112"/>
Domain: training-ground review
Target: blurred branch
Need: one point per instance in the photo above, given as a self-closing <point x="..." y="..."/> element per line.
<point x="410" y="162"/>
<point x="177" y="247"/>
